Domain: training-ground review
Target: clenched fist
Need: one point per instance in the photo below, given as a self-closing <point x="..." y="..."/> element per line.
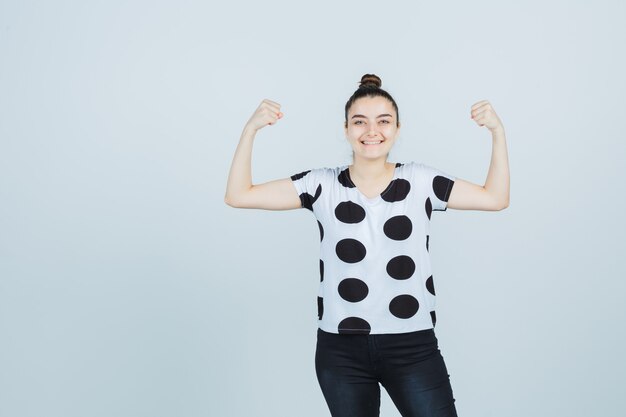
<point x="267" y="113"/>
<point x="484" y="114"/>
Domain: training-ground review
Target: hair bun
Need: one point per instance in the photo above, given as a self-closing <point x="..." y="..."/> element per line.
<point x="370" y="80"/>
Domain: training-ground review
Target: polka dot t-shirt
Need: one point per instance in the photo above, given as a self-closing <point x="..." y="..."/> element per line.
<point x="375" y="272"/>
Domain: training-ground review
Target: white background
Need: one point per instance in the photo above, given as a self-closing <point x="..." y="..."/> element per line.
<point x="128" y="287"/>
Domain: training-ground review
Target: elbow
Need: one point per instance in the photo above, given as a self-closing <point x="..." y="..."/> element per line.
<point x="237" y="198"/>
<point x="504" y="205"/>
<point x="230" y="201"/>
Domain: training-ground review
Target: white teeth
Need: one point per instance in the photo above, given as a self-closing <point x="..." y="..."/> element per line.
<point x="371" y="143"/>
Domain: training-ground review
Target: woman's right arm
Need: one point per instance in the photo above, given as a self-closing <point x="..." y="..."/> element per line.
<point x="240" y="192"/>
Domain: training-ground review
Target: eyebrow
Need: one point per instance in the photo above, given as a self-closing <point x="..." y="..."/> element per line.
<point x="381" y="115"/>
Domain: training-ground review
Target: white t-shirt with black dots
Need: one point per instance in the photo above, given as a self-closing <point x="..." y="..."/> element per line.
<point x="375" y="272"/>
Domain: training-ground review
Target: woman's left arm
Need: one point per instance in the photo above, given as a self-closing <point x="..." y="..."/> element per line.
<point x="494" y="195"/>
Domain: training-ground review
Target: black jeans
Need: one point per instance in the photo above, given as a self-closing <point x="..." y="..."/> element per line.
<point x="409" y="366"/>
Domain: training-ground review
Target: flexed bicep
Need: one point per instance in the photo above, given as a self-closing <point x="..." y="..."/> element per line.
<point x="466" y="195"/>
<point x="272" y="195"/>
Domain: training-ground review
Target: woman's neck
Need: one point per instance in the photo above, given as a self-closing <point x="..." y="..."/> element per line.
<point x="370" y="169"/>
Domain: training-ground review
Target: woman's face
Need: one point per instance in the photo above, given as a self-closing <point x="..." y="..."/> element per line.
<point x="371" y="128"/>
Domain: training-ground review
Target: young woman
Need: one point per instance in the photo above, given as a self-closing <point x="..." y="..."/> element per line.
<point x="376" y="302"/>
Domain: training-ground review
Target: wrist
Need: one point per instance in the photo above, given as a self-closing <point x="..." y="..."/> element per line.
<point x="497" y="131"/>
<point x="248" y="131"/>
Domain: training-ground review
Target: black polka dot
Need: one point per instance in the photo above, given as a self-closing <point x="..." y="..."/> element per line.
<point x="321" y="230"/>
<point x="321" y="270"/>
<point x="404" y="306"/>
<point x="399" y="164"/>
<point x="430" y="285"/>
<point x="398" y="227"/>
<point x="442" y="187"/>
<point x="353" y="289"/>
<point x="401" y="267"/>
<point x="397" y="190"/>
<point x="427" y="238"/>
<point x="433" y="317"/>
<point x="429" y="207"/>
<point x="349" y="212"/>
<point x="308" y="200"/>
<point x="354" y="325"/>
<point x="344" y="179"/>
<point x="300" y="175"/>
<point x="320" y="308"/>
<point x="350" y="250"/>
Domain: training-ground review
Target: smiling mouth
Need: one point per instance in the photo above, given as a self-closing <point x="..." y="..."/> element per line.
<point x="372" y="142"/>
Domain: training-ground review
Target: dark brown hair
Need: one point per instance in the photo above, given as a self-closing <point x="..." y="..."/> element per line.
<point x="370" y="87"/>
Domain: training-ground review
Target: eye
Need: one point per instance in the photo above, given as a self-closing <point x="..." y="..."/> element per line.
<point x="358" y="122"/>
<point x="384" y="121"/>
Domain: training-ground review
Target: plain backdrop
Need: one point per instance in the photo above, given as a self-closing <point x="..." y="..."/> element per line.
<point x="128" y="287"/>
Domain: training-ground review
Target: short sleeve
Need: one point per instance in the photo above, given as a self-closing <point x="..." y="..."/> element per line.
<point x="309" y="186"/>
<point x="438" y="186"/>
